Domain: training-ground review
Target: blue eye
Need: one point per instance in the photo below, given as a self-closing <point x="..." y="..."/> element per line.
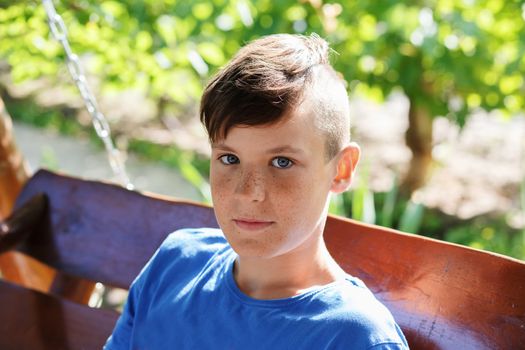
<point x="281" y="162"/>
<point x="229" y="159"/>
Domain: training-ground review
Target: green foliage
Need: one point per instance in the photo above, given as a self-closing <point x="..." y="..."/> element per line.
<point x="363" y="200"/>
<point x="495" y="236"/>
<point x="29" y="112"/>
<point x="412" y="217"/>
<point x="193" y="168"/>
<point x="49" y="158"/>
<point x="375" y="208"/>
<point x="451" y="56"/>
<point x="445" y="55"/>
<point x="485" y="233"/>
<point x="387" y="212"/>
<point x="522" y="196"/>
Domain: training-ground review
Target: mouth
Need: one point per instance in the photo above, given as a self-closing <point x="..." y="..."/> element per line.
<point x="252" y="224"/>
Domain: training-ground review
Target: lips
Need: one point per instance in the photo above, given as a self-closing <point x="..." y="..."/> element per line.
<point x="252" y="224"/>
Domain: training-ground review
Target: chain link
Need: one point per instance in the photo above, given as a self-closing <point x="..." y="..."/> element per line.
<point x="99" y="121"/>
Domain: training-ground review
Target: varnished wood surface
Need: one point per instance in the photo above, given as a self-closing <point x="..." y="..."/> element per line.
<point x="13" y="168"/>
<point x="443" y="296"/>
<point x="17" y="228"/>
<point x="31" y="320"/>
<point x="14" y="172"/>
<point x="103" y="232"/>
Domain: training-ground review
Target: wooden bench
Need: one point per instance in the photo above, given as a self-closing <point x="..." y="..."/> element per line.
<point x="444" y="296"/>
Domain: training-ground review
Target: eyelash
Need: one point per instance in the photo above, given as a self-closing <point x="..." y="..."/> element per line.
<point x="224" y="160"/>
<point x="276" y="159"/>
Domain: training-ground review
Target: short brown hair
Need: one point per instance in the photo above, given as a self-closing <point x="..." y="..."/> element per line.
<point x="269" y="77"/>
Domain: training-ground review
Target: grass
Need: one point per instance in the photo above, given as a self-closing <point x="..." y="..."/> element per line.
<point x="488" y="232"/>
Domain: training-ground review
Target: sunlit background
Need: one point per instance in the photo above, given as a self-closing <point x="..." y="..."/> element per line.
<point x="437" y="91"/>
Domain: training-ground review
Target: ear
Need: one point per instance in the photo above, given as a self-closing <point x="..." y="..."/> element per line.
<point x="346" y="164"/>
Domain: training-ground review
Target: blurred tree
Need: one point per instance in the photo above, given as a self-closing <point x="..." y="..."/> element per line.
<point x="449" y="57"/>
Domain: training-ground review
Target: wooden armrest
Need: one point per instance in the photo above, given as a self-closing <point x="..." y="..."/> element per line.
<point x="33" y="320"/>
<point x="16" y="229"/>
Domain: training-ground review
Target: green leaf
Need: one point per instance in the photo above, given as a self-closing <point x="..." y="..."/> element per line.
<point x="190" y="173"/>
<point x="336" y="205"/>
<point x="212" y="53"/>
<point x="49" y="159"/>
<point x="363" y="208"/>
<point x="387" y="212"/>
<point x="143" y="41"/>
<point x="202" y="11"/>
<point x="113" y="8"/>
<point x="412" y="217"/>
<point x="166" y="26"/>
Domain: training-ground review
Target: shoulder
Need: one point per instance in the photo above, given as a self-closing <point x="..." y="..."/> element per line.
<point x="359" y="317"/>
<point x="193" y="241"/>
<point x="178" y="259"/>
<point x="185" y="250"/>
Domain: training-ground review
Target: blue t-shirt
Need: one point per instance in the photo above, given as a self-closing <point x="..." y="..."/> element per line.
<point x="186" y="298"/>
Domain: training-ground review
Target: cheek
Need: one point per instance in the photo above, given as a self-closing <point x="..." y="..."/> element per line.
<point x="294" y="193"/>
<point x="300" y="186"/>
<point x="220" y="187"/>
<point x="282" y="189"/>
<point x="302" y="199"/>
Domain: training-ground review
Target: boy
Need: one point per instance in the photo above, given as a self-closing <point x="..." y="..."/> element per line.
<point x="278" y="122"/>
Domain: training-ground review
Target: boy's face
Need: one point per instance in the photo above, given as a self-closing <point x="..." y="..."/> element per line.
<point x="270" y="186"/>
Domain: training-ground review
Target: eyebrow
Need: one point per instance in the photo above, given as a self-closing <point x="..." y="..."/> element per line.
<point x="275" y="150"/>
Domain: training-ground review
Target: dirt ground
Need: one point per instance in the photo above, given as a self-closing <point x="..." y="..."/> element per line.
<point x="478" y="170"/>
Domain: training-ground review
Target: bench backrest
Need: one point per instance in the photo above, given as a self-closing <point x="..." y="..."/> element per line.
<point x="444" y="296"/>
<point x="103" y="232"/>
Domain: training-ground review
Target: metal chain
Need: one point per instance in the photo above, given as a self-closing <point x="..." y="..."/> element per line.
<point x="100" y="123"/>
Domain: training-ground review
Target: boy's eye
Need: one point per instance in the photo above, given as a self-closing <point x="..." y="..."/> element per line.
<point x="229" y="159"/>
<point x="281" y="162"/>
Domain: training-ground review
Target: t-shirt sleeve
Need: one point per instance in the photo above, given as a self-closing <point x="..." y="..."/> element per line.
<point x="389" y="346"/>
<point x="362" y="321"/>
<point x="122" y="333"/>
<point x="121" y="336"/>
<point x="382" y="337"/>
<point x="179" y="251"/>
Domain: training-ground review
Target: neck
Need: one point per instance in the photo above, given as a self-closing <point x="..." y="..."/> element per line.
<point x="288" y="274"/>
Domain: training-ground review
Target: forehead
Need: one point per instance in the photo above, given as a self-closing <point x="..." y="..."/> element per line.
<point x="296" y="128"/>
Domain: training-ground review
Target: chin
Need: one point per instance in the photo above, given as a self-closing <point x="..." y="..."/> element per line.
<point x="251" y="248"/>
<point x="247" y="247"/>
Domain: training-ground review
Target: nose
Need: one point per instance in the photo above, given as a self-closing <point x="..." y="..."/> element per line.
<point x="251" y="185"/>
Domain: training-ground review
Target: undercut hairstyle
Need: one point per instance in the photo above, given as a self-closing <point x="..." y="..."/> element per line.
<point x="271" y="77"/>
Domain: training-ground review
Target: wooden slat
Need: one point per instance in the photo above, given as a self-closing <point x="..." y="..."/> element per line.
<point x="103" y="232"/>
<point x="443" y="295"/>
<point x="16" y="230"/>
<point x="72" y="288"/>
<point x="14" y="172"/>
<point x="19" y="226"/>
<point x="30" y="320"/>
<point x="13" y="168"/>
